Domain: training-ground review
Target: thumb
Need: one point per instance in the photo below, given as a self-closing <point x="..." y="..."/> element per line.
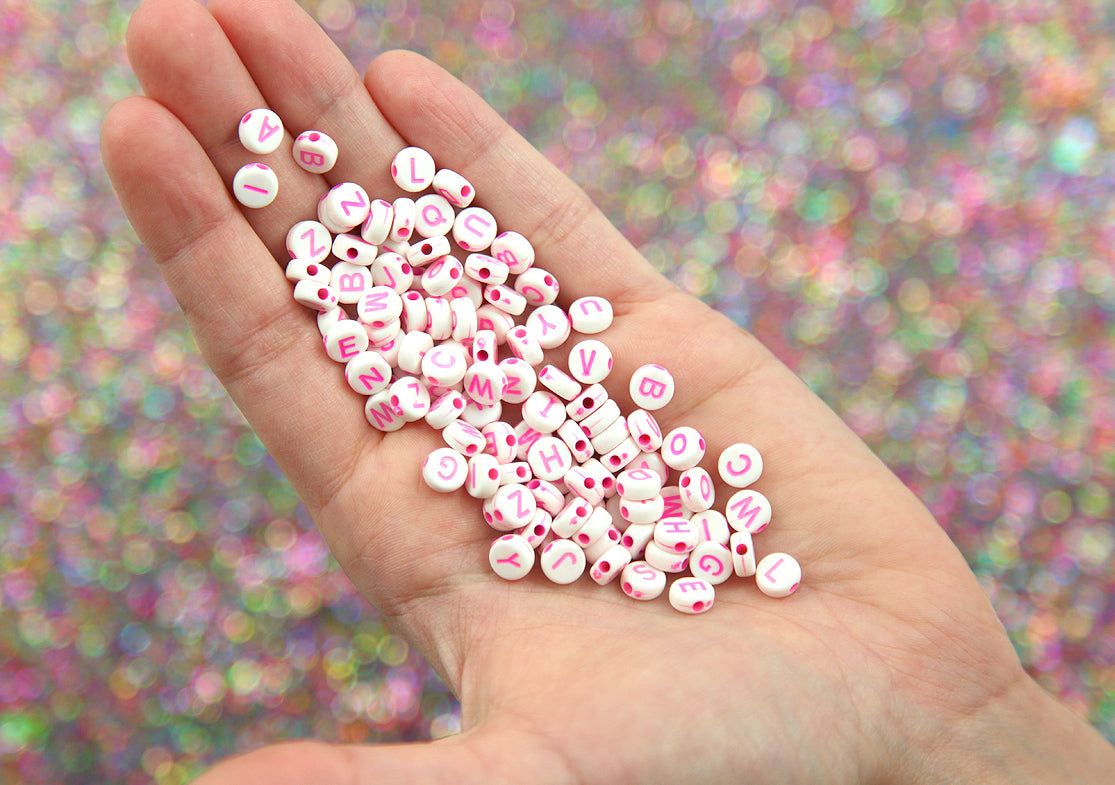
<point x="473" y="758"/>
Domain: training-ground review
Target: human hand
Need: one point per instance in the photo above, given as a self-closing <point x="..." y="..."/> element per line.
<point x="888" y="664"/>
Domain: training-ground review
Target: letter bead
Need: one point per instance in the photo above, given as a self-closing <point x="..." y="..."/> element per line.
<point x="474" y="229"/>
<point x="743" y="554"/>
<point x="485" y="383"/>
<point x="740" y="465"/>
<point x="255" y="185"/>
<point x="480" y="415"/>
<point x="488" y="317"/>
<point x="636" y="537"/>
<point x="652" y="387"/>
<point x="550" y="325"/>
<point x="712" y="525"/>
<point x="590" y="361"/>
<point x="577" y="440"/>
<point x="572" y="517"/>
<point x="505" y="298"/>
<point x="525" y="346"/>
<point x="513" y="506"/>
<point x="644" y="430"/>
<point x="603" y="418"/>
<point x="610" y="438"/>
<point x="430" y="250"/>
<point x="676" y="534"/>
<point x="444" y="365"/>
<point x="621" y="456"/>
<point x="433" y="216"/>
<point x="453" y="187"/>
<point x="591" y="315"/>
<point x="538" y="286"/>
<point x="309" y="240"/>
<point x="402" y="221"/>
<point x="641" y="581"/>
<point x="514" y="250"/>
<point x="393" y="271"/>
<point x="692" y="595"/>
<point x="315" y="152"/>
<point x="345" y="340"/>
<point x="412" y="169"/>
<point x="642" y="511"/>
<point x="500" y="441"/>
<point x="547" y="495"/>
<point x="302" y="269"/>
<point x="596" y="549"/>
<point x="381" y="414"/>
<point x="599" y="521"/>
<point x="638" y="484"/>
<point x="583" y="483"/>
<point x="521" y="379"/>
<point x="543" y="411"/>
<point x="587" y="402"/>
<point x="345" y="205"/>
<point x="511" y="557"/>
<point x="378" y="336"/>
<point x="319" y="296"/>
<point x="410" y="397"/>
<point x="562" y="561"/>
<point x="515" y="472"/>
<point x="482" y="481"/>
<point x="613" y="561"/>
<point x="368" y="373"/>
<point x="683" y="448"/>
<point x="671" y="499"/>
<point x="651" y="461"/>
<point x="260" y="131"/>
<point x="377" y="226"/>
<point x="352" y="249"/>
<point x="711" y="561"/>
<point x="445" y="470"/>
<point x="665" y="559"/>
<point x="549" y="458"/>
<point x="538" y="529"/>
<point x="326" y="319"/>
<point x="778" y="575"/>
<point x="447" y="408"/>
<point x="485" y="269"/>
<point x="464" y="438"/>
<point x="697" y="493"/>
<point x="748" y="510"/>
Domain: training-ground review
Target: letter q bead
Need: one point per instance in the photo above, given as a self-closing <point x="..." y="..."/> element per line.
<point x="692" y="595"/>
<point x="445" y="470"/>
<point x="511" y="557"/>
<point x="683" y="448"/>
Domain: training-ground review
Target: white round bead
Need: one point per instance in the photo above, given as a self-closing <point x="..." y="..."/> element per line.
<point x="345" y="205"/>
<point x="712" y="525"/>
<point x="379" y="306"/>
<point x="590" y="361"/>
<point x="778" y="575"/>
<point x="642" y="510"/>
<point x="345" y="340"/>
<point x="412" y="348"/>
<point x="445" y="409"/>
<point x="748" y="510"/>
<point x="692" y="595"/>
<point x="602" y="544"/>
<point x="482" y="481"/>
<point x="402" y="219"/>
<point x="582" y="482"/>
<point x="513" y="506"/>
<point x="464" y="438"/>
<point x="591" y="315"/>
<point x="543" y="411"/>
<point x="711" y="561"/>
<point x="547" y="495"/>
<point x="514" y="250"/>
<point x="591" y="399"/>
<point x="664" y="559"/>
<point x="410" y="397"/>
<point x="525" y="346"/>
<point x="556" y="380"/>
<point x="505" y="298"/>
<point x="610" y="564"/>
<point x="571" y="517"/>
<point x="550" y="325"/>
<point x="412" y="169"/>
<point x="485" y="269"/>
<point x="697" y="492"/>
<point x="521" y="379"/>
<point x="309" y="240"/>
<point x="636" y="537"/>
<point x="511" y="557"/>
<point x="303" y="269"/>
<point x="453" y="187"/>
<point x="314" y="151"/>
<point x="562" y="561"/>
<point x="421" y="253"/>
<point x="368" y="373"/>
<point x="319" y="296"/>
<point x="651" y="461"/>
<point x="444" y="365"/>
<point x="474" y="229"/>
<point x="743" y="553"/>
<point x="351" y="281"/>
<point x="576" y="439"/>
<point x="488" y="317"/>
<point x="260" y="131"/>
<point x="683" y="448"/>
<point x="255" y="185"/>
<point x="603" y="418"/>
<point x="377" y="226"/>
<point x="740" y="465"/>
<point x="433" y="215"/>
<point x="485" y="382"/>
<point x="538" y="286"/>
<point x="644" y="430"/>
<point x="445" y="470"/>
<point x="350" y="248"/>
<point x="641" y="581"/>
<point x="652" y="387"/>
<point x="464" y="318"/>
<point x="610" y="438"/>
<point x="549" y="458"/>
<point x="677" y="535"/>
<point x="620" y="457"/>
<point x="638" y="484"/>
<point x="500" y="441"/>
<point x="538" y="529"/>
<point x="393" y="271"/>
<point x="593" y="528"/>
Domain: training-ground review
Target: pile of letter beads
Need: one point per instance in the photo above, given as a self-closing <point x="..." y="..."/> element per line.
<point x="570" y="483"/>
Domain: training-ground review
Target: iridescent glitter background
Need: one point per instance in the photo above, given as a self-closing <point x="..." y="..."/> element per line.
<point x="912" y="203"/>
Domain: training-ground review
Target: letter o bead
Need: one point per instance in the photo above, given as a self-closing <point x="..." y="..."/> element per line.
<point x="445" y="470"/>
<point x="683" y="448"/>
<point x="511" y="557"/>
<point x="778" y="575"/>
<point x="692" y="595"/>
<point x="641" y="581"/>
<point x="562" y="561"/>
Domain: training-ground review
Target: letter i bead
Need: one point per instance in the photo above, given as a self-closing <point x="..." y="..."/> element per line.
<point x="255" y="185"/>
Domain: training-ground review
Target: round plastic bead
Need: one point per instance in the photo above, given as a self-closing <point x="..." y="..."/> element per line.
<point x="500" y="441"/>
<point x="345" y="340"/>
<point x="402" y="219"/>
<point x="562" y="561"/>
<point x="644" y="430"/>
<point x="464" y="438"/>
<point x="642" y="510"/>
<point x="590" y="361"/>
<point x="444" y="365"/>
<point x="740" y="465"/>
<point x="393" y="271"/>
<point x="445" y="470"/>
<point x="711" y="561"/>
<point x="482" y="481"/>
<point x="683" y="448"/>
<point x="319" y="296"/>
<point x="571" y="517"/>
<point x="697" y="492"/>
<point x="543" y="411"/>
<point x="260" y="131"/>
<point x="511" y="557"/>
<point x="665" y="559"/>
<point x="641" y="581"/>
<point x="636" y="537"/>
<point x="676" y="534"/>
<point x="368" y="373"/>
<point x="377" y="226"/>
<point x="591" y="315"/>
<point x="445" y="409"/>
<point x="638" y="484"/>
<point x="550" y="325"/>
<point x="412" y="169"/>
<point x="411" y="398"/>
<point x="538" y="286"/>
<point x="380" y="413"/>
<point x="513" y="505"/>
<point x="549" y="458"/>
<point x="433" y="216"/>
<point x="748" y="510"/>
<point x="453" y="187"/>
<point x="309" y="240"/>
<point x="651" y="387"/>
<point x="485" y="383"/>
<point x="514" y="250"/>
<point x="255" y="185"/>
<point x="743" y="554"/>
<point x="778" y="575"/>
<point x="474" y="229"/>
<point x="485" y="269"/>
<point x="712" y="525"/>
<point x="345" y="205"/>
<point x="608" y="567"/>
<point x="525" y="346"/>
<point x="577" y="440"/>
<point x="521" y="379"/>
<point x="314" y="151"/>
<point x="350" y="248"/>
<point x="692" y="595"/>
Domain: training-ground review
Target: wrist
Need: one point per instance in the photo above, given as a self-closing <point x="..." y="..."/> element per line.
<point x="1020" y="735"/>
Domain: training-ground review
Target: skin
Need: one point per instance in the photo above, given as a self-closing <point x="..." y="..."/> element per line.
<point x="888" y="665"/>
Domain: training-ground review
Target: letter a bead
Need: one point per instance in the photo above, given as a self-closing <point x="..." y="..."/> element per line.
<point x="511" y="557"/>
<point x="778" y="575"/>
<point x="260" y="131"/>
<point x="445" y="470"/>
<point x="255" y="185"/>
<point x="562" y="561"/>
<point x="692" y="595"/>
<point x="652" y="387"/>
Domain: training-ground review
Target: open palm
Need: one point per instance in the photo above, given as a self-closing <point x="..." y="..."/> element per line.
<point x="889" y="663"/>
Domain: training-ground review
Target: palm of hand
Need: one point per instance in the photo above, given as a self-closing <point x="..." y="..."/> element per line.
<point x="890" y="633"/>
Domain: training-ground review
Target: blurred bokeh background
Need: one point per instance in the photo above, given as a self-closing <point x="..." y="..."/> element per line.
<point x="912" y="203"/>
